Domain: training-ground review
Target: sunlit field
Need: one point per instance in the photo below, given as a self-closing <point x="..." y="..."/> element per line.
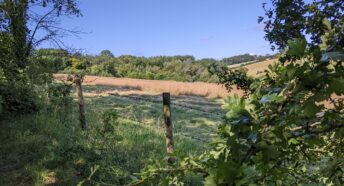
<point x="171" y="93"/>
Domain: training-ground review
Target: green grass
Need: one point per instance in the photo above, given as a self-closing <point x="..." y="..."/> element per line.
<point x="49" y="148"/>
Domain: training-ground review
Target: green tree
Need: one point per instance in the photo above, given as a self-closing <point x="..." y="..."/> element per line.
<point x="15" y="18"/>
<point x="106" y="53"/>
<point x="18" y="63"/>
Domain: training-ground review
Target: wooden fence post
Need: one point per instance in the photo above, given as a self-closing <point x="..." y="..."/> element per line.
<point x="169" y="127"/>
<point x="81" y="102"/>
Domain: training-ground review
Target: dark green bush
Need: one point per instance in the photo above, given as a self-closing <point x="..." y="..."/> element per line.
<point x="19" y="99"/>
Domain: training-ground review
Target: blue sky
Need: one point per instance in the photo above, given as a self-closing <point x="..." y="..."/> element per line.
<point x="202" y="28"/>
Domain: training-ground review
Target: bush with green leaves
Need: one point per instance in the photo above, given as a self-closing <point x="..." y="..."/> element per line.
<point x="19" y="99"/>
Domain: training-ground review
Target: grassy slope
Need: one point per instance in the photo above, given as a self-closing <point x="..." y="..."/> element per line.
<point x="48" y="148"/>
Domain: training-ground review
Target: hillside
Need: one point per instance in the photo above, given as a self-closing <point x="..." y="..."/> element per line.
<point x="254" y="68"/>
<point x="257" y="69"/>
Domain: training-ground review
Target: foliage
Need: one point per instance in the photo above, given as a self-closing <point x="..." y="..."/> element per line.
<point x="295" y="18"/>
<point x="179" y="68"/>
<point x="24" y="73"/>
<point x="288" y="129"/>
<point x="231" y="77"/>
<point x="19" y="99"/>
<point x="245" y="58"/>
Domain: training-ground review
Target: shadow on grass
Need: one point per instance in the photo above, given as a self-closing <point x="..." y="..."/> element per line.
<point x="104" y="88"/>
<point x="149" y="114"/>
<point x="36" y="150"/>
<point x="191" y="101"/>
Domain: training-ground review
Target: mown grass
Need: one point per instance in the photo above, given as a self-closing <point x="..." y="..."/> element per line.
<point x="48" y="148"/>
<point x="210" y="90"/>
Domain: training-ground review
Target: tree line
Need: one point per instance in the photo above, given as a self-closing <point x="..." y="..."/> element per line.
<point x="178" y="68"/>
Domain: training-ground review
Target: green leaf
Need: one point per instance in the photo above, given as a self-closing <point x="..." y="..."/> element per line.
<point x="297" y="47"/>
<point x="303" y="169"/>
<point x="310" y="108"/>
<point x="210" y="181"/>
<point x="293" y="141"/>
<point x="337" y="86"/>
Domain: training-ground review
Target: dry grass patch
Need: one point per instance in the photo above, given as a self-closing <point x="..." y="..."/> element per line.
<point x="124" y="86"/>
<point x="257" y="69"/>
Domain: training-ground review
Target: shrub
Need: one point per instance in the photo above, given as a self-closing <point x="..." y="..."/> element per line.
<point x="19" y="99"/>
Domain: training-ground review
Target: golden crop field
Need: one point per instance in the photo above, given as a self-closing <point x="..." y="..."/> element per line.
<point x="125" y="86"/>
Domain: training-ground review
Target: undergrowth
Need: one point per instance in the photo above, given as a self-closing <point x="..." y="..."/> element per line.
<point x="49" y="148"/>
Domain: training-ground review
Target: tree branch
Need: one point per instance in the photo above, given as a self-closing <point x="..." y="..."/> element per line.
<point x="40" y="21"/>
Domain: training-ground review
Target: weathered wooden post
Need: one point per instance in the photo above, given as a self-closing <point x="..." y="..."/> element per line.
<point x="78" y="82"/>
<point x="169" y="127"/>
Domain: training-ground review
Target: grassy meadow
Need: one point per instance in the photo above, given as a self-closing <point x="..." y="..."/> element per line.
<point x="50" y="149"/>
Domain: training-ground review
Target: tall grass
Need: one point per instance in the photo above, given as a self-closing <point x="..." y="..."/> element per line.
<point x="50" y="148"/>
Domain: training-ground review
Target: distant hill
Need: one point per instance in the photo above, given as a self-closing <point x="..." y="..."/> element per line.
<point x="257" y="69"/>
<point x="243" y="58"/>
